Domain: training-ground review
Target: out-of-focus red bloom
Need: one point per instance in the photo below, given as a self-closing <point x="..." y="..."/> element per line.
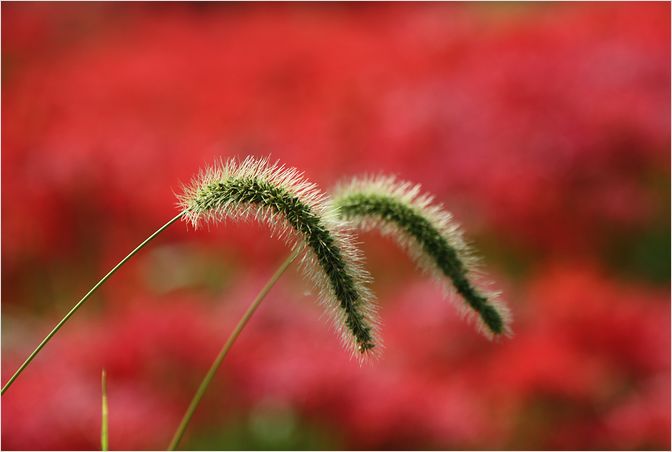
<point x="586" y="349"/>
<point x="545" y="129"/>
<point x="546" y="123"/>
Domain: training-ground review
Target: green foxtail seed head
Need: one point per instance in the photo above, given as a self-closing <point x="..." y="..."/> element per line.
<point x="423" y="228"/>
<point x="297" y="211"/>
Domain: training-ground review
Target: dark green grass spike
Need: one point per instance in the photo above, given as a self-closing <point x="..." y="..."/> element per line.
<point x="431" y="241"/>
<point x="225" y="196"/>
<point x="397" y="209"/>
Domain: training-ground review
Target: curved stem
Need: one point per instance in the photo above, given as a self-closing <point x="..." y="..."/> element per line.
<point x="227" y="346"/>
<point x="81" y="302"/>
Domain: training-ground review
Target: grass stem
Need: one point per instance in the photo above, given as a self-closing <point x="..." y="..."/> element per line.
<point x="179" y="433"/>
<point x="104" y="443"/>
<point x="83" y="300"/>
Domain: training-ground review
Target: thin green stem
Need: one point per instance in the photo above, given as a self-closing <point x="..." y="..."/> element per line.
<point x="104" y="443"/>
<point x="227" y="346"/>
<point x="81" y="302"/>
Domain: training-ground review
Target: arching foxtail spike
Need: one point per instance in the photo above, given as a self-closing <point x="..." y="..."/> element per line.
<point x="426" y="230"/>
<point x="297" y="211"/>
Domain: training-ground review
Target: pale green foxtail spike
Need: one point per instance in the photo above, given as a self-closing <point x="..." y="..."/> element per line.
<point x="297" y="211"/>
<point x="399" y="210"/>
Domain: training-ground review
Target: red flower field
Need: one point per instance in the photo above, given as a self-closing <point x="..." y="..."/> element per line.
<point x="544" y="129"/>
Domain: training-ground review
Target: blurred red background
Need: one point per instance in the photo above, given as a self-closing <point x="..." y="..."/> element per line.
<point x="545" y="128"/>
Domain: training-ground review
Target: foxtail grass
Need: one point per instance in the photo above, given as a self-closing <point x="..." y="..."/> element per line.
<point x="297" y="211"/>
<point x="429" y="234"/>
<point x="425" y="230"/>
<point x="319" y="232"/>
